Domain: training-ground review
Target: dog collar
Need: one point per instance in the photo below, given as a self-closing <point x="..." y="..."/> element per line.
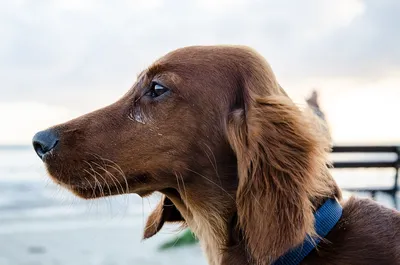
<point x="326" y="217"/>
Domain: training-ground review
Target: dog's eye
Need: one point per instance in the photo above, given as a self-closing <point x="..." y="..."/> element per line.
<point x="157" y="90"/>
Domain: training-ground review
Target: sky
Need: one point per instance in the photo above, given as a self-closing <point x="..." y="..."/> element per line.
<point x="62" y="58"/>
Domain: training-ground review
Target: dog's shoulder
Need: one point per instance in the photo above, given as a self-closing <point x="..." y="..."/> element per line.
<point x="365" y="231"/>
<point x="372" y="227"/>
<point x="369" y="210"/>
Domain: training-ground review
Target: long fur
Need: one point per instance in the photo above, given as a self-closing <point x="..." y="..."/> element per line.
<point x="235" y="159"/>
<point x="281" y="166"/>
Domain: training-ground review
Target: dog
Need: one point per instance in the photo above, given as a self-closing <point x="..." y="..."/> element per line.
<point x="236" y="160"/>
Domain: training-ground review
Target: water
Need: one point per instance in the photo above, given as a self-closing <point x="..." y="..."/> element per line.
<point x="42" y="224"/>
<point x="27" y="193"/>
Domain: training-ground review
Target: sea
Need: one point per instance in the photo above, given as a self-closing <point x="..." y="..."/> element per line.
<point x="42" y="224"/>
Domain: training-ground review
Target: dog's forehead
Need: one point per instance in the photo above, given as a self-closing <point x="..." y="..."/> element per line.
<point x="201" y="55"/>
<point x="197" y="72"/>
<point x="200" y="63"/>
<point x="188" y="53"/>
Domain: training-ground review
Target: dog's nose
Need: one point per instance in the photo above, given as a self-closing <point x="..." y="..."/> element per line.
<point x="44" y="141"/>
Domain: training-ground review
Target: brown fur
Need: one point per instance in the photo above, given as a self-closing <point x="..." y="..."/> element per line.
<point x="236" y="160"/>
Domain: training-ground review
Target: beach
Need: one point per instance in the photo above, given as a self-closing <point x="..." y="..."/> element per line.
<point x="42" y="224"/>
<point x="88" y="242"/>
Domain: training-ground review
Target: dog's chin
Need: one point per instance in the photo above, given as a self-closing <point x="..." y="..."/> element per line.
<point x="86" y="192"/>
<point x="94" y="193"/>
<point x="92" y="190"/>
<point x="97" y="189"/>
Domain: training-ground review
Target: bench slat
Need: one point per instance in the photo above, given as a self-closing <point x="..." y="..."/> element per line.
<point x="370" y="189"/>
<point x="365" y="149"/>
<point x="365" y="164"/>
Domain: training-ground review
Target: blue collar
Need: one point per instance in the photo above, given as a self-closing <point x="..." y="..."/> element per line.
<point x="326" y="217"/>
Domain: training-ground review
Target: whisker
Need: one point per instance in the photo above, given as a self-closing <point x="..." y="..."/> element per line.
<point x="197" y="173"/>
<point x="93" y="192"/>
<point x="95" y="179"/>
<point x="257" y="201"/>
<point x="143" y="221"/>
<point x="103" y="178"/>
<point x="95" y="182"/>
<point x="214" y="165"/>
<point x="110" y="175"/>
<point x="177" y="182"/>
<point x="114" y="166"/>
<point x="118" y="169"/>
<point x="90" y="185"/>
<point x="184" y="190"/>
<point x="106" y="182"/>
<point x="101" y="188"/>
<point x="119" y="186"/>
<point x="103" y="168"/>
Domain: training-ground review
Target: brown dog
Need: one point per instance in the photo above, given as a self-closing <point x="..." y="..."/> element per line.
<point x="236" y="160"/>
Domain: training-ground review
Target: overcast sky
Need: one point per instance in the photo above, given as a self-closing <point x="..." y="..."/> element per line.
<point x="61" y="58"/>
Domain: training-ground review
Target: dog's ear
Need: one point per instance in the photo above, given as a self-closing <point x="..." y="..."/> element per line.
<point x="281" y="167"/>
<point x="165" y="211"/>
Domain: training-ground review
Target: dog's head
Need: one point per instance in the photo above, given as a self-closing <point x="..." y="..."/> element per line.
<point x="210" y="128"/>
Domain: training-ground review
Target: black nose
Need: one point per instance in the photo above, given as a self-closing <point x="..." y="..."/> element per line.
<point x="44" y="141"/>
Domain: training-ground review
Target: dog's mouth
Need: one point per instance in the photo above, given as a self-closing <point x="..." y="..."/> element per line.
<point x="95" y="177"/>
<point x="97" y="189"/>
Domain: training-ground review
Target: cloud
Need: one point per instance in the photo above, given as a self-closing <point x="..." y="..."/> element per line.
<point x="366" y="48"/>
<point x="20" y="121"/>
<point x="53" y="50"/>
<point x="79" y="55"/>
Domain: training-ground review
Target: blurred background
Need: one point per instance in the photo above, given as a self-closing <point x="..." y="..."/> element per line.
<point x="62" y="58"/>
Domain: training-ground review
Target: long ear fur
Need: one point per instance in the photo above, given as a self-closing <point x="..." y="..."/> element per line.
<point x="165" y="211"/>
<point x="281" y="167"/>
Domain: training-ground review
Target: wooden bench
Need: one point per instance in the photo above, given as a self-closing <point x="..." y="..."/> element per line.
<point x="382" y="163"/>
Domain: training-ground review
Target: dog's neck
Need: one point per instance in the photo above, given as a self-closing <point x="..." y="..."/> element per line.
<point x="211" y="235"/>
<point x="216" y="227"/>
<point x="210" y="212"/>
<point x="208" y="219"/>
